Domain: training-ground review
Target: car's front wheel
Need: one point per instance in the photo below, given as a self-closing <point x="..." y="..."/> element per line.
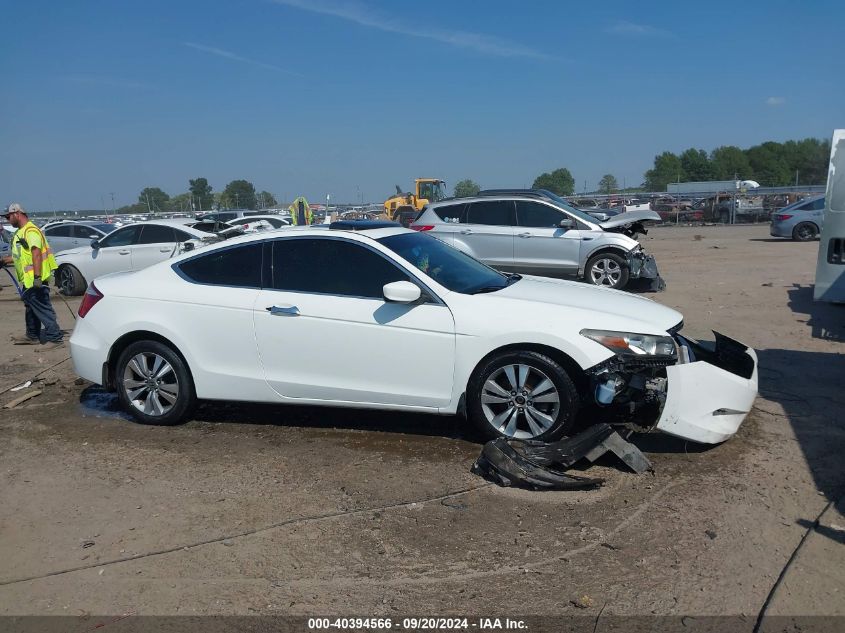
<point x="154" y="384"/>
<point x="607" y="269"/>
<point x="522" y="395"/>
<point x="70" y="281"/>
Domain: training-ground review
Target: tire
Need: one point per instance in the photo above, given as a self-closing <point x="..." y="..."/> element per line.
<point x="70" y="281"/>
<point x="492" y="416"/>
<point x="804" y="232"/>
<point x="162" y="406"/>
<point x="608" y="270"/>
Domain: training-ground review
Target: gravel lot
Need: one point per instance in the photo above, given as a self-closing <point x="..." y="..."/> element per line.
<point x="284" y="510"/>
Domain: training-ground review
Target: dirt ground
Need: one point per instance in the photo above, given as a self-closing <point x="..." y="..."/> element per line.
<point x="287" y="510"/>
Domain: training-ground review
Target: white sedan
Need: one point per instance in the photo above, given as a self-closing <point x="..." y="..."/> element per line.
<point x="126" y="249"/>
<point x="366" y="315"/>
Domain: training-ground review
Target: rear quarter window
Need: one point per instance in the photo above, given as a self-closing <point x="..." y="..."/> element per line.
<point x="451" y="213"/>
<point x="238" y="266"/>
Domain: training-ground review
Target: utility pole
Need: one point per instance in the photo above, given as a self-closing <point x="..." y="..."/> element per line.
<point x="796" y="177"/>
<point x="112" y="203"/>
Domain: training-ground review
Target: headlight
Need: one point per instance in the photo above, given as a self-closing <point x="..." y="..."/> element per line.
<point x="632" y="344"/>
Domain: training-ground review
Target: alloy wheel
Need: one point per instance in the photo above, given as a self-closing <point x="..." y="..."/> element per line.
<point x="150" y="384"/>
<point x="605" y="272"/>
<point x="806" y="232"/>
<point x="520" y="401"/>
<point x="66" y="280"/>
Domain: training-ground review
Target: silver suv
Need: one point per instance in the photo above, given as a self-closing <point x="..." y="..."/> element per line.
<point x="536" y="232"/>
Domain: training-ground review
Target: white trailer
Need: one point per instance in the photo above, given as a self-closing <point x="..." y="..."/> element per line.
<point x="711" y="186"/>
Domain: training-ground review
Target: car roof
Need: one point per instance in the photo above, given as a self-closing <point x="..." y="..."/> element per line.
<point x="315" y="230"/>
<point x="176" y="224"/>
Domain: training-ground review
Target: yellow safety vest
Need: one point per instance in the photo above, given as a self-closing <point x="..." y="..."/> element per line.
<point x="294" y="211"/>
<point x="24" y="239"/>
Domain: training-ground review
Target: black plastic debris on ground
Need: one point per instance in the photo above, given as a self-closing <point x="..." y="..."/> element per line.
<point x="539" y="465"/>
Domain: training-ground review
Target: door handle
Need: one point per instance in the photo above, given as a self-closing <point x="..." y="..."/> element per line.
<point x="523" y="234"/>
<point x="586" y="239"/>
<point x="123" y="252"/>
<point x="466" y="232"/>
<point x="165" y="250"/>
<point x="283" y="310"/>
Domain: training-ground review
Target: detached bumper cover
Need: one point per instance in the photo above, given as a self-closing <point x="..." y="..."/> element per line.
<point x="643" y="266"/>
<point x="708" y="398"/>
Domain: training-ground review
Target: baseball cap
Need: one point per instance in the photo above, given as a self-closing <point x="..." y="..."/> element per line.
<point x="13" y="208"/>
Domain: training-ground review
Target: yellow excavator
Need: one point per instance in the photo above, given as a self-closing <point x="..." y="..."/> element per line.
<point x="400" y="206"/>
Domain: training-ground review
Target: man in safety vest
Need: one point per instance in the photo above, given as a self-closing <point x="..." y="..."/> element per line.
<point x="34" y="264"/>
<point x="300" y="212"/>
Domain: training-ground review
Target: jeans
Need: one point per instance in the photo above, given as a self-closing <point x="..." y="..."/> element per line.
<point x="40" y="311"/>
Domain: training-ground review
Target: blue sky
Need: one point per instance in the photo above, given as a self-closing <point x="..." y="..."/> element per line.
<point x="352" y="97"/>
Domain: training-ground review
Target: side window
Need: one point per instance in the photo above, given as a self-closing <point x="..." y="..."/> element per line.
<point x="181" y="236"/>
<point x="331" y="266"/>
<point x="237" y="266"/>
<point x="83" y="232"/>
<point x="451" y="213"/>
<point x="156" y="234"/>
<point x="495" y="212"/>
<point x="62" y="230"/>
<point x="817" y="205"/>
<point x="536" y="215"/>
<point x="122" y="237"/>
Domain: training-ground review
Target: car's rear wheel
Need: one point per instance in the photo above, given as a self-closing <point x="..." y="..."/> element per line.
<point x="607" y="269"/>
<point x="154" y="384"/>
<point x="70" y="281"/>
<point x="804" y="232"/>
<point x="521" y="395"/>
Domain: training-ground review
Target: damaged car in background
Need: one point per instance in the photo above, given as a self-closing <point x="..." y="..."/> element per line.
<point x="134" y="247"/>
<point x="371" y="315"/>
<point x="537" y="232"/>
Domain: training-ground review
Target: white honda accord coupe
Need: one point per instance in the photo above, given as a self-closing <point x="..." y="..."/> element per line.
<point x="367" y="314"/>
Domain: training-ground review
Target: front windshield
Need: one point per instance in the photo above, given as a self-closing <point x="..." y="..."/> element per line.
<point x="432" y="191"/>
<point x="581" y="215"/>
<point x="447" y="266"/>
<point x="104" y="227"/>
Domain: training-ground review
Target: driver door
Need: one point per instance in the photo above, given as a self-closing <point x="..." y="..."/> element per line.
<point x="114" y="254"/>
<point x="325" y="332"/>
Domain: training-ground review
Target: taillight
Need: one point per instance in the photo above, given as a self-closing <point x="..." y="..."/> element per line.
<point x="421" y="227"/>
<point x="89" y="300"/>
<point x="780" y="217"/>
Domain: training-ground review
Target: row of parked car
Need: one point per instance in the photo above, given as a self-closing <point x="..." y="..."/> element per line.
<point x="86" y="250"/>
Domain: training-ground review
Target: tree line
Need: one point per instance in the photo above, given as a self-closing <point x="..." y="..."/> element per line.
<point x="772" y="164"/>
<point x="239" y="194"/>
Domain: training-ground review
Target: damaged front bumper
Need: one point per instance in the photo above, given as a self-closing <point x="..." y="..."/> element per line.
<point x="643" y="266"/>
<point x="704" y="396"/>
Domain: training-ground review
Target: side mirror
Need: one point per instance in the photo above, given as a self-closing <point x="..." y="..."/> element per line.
<point x="567" y="224"/>
<point x="95" y="244"/>
<point x="188" y="246"/>
<point x="402" y="292"/>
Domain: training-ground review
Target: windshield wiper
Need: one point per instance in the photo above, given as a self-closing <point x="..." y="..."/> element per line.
<point x="513" y="278"/>
<point x="484" y="289"/>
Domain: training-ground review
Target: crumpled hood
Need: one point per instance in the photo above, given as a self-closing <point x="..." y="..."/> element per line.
<point x="630" y="217"/>
<point x="613" y="309"/>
